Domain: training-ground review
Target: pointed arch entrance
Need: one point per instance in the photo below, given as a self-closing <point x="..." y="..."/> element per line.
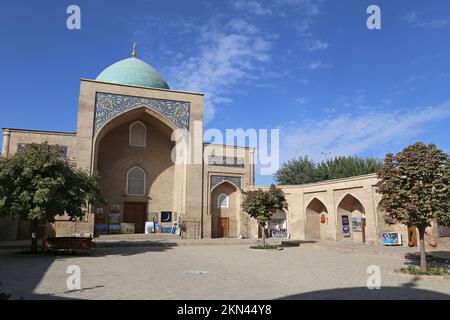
<point x="133" y="158"/>
<point x="315" y="229"/>
<point x="351" y="212"/>
<point x="225" y="203"/>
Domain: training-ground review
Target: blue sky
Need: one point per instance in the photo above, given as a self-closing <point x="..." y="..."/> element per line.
<point x="310" y="68"/>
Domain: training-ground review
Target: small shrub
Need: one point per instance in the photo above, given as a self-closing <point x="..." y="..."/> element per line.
<point x="429" y="272"/>
<point x="265" y="247"/>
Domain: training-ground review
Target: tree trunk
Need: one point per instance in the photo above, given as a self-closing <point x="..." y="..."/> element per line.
<point x="423" y="257"/>
<point x="34" y="237"/>
<point x="263" y="234"/>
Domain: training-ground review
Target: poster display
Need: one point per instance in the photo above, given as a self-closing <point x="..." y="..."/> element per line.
<point x="149" y="227"/>
<point x="127" y="228"/>
<point x="392" y="238"/>
<point x="101" y="228"/>
<point x="166" y="216"/>
<point x="278" y="233"/>
<point x="114" y="228"/>
<point x="357" y="224"/>
<point x="114" y="218"/>
<point x="346" y="226"/>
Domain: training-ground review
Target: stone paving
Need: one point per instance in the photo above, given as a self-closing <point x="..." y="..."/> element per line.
<point x="213" y="272"/>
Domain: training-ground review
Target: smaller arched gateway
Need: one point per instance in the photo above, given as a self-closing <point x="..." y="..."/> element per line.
<point x="351" y="219"/>
<point x="316" y="220"/>
<point x="225" y="205"/>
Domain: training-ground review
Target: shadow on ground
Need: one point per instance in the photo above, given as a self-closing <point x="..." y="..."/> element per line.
<point x="434" y="258"/>
<point x="404" y="292"/>
<point x="20" y="273"/>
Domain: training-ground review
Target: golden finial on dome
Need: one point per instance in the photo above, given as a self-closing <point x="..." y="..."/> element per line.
<point x="133" y="54"/>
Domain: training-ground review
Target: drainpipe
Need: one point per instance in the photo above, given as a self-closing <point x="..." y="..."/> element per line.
<point x="6" y="139"/>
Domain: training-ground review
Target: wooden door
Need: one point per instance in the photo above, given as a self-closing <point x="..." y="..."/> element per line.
<point x="224" y="227"/>
<point x="135" y="213"/>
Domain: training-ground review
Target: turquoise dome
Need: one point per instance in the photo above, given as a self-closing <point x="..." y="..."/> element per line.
<point x="133" y="71"/>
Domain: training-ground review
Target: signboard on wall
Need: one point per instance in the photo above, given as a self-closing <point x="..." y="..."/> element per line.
<point x="114" y="218"/>
<point x="101" y="228"/>
<point x="357" y="224"/>
<point x="166" y="216"/>
<point x="392" y="239"/>
<point x="346" y="226"/>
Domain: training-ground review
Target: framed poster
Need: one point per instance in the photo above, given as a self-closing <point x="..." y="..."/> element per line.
<point x="127" y="228"/>
<point x="443" y="231"/>
<point x="357" y="224"/>
<point x="346" y="226"/>
<point x="114" y="218"/>
<point x="149" y="227"/>
<point x="101" y="228"/>
<point x="392" y="239"/>
<point x="114" y="228"/>
<point x="166" y="216"/>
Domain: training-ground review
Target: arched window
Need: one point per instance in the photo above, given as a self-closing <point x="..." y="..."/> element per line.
<point x="136" y="181"/>
<point x="222" y="201"/>
<point x="138" y="134"/>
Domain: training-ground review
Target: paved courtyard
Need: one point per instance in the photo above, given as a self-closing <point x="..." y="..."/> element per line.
<point x="213" y="272"/>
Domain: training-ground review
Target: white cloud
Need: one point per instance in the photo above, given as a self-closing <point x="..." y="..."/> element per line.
<point x="314" y="65"/>
<point x="301" y="100"/>
<point x="318" y="45"/>
<point x="437" y="23"/>
<point x="349" y="134"/>
<point x="434" y="24"/>
<point x="252" y="6"/>
<point x="410" y="17"/>
<point x="225" y="57"/>
<point x="307" y="7"/>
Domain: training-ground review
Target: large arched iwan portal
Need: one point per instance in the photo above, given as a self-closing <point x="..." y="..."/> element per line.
<point x="117" y="151"/>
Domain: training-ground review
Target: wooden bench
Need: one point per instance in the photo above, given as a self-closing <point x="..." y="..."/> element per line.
<point x="68" y="243"/>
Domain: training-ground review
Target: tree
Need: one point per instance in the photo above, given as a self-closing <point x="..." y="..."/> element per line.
<point x="415" y="189"/>
<point x="262" y="204"/>
<point x="304" y="170"/>
<point x="297" y="171"/>
<point x="38" y="185"/>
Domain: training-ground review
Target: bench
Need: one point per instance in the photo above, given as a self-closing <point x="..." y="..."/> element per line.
<point x="68" y="243"/>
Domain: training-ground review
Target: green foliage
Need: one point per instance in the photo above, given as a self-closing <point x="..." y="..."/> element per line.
<point x="429" y="272"/>
<point x="39" y="185"/>
<point x="261" y="204"/>
<point x="415" y="189"/>
<point x="303" y="170"/>
<point x="265" y="247"/>
<point x="415" y="186"/>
